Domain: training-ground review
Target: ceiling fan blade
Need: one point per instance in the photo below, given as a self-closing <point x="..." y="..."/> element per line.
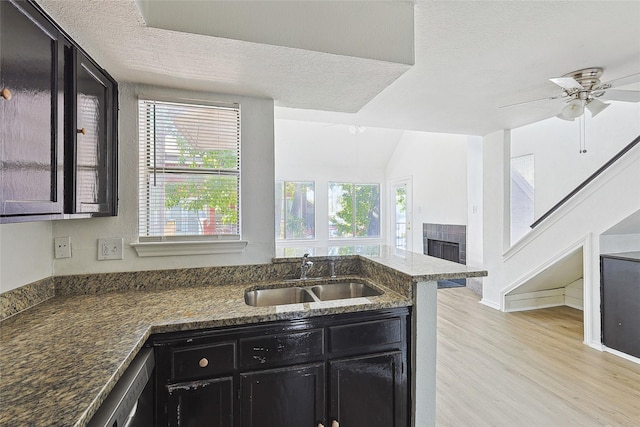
<point x="623" y="81"/>
<point x="567" y="83"/>
<point x="596" y="106"/>
<point x="622" y="95"/>
<point x="531" y="102"/>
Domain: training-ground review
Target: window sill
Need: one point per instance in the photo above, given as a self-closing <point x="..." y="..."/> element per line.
<point x="154" y="249"/>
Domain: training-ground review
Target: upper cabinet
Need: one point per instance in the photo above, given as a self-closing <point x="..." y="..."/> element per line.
<point x="91" y="164"/>
<point x="58" y="122"/>
<point x="31" y="112"/>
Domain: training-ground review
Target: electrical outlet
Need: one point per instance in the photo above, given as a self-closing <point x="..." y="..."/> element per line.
<point x="110" y="248"/>
<point x="62" y="247"/>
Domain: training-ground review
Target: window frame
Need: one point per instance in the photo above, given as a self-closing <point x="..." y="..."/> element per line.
<point x="355" y="237"/>
<point x="279" y="206"/>
<point x="187" y="244"/>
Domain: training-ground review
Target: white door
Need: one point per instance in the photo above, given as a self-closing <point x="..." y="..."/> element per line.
<point x="401" y="214"/>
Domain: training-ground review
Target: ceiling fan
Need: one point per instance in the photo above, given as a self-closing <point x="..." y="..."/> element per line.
<point x="583" y="89"/>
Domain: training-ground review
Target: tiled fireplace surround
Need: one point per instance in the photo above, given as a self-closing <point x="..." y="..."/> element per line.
<point x="446" y="233"/>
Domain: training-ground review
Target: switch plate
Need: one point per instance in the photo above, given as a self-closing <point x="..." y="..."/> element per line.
<point x="62" y="247"/>
<point x="110" y="248"/>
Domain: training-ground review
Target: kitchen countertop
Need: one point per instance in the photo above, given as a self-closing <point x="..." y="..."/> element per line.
<point x="61" y="358"/>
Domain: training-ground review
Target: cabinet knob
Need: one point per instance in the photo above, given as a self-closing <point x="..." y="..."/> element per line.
<point x="82" y="131"/>
<point x="203" y="362"/>
<point x="320" y="425"/>
<point x="6" y="93"/>
<point x="335" y="423"/>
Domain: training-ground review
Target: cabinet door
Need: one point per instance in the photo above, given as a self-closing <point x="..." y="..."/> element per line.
<point x="207" y="403"/>
<point x="92" y="135"/>
<point x="621" y="304"/>
<point x="368" y="391"/>
<point x="288" y="397"/>
<point x="31" y="105"/>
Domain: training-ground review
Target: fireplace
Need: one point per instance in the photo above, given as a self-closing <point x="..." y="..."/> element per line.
<point x="446" y="241"/>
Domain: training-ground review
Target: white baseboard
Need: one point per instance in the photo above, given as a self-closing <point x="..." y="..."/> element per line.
<point x="490" y="304"/>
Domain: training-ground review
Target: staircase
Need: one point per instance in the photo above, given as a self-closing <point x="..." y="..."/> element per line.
<point x="560" y="255"/>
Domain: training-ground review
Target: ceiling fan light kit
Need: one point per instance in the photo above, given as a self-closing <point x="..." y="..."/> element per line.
<point x="582" y="88"/>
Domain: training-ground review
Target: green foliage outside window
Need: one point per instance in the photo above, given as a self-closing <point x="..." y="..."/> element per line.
<point x="357" y="211"/>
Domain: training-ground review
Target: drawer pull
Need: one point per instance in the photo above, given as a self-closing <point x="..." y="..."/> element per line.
<point x="6" y="93"/>
<point x="203" y="362"/>
<point x="82" y="131"/>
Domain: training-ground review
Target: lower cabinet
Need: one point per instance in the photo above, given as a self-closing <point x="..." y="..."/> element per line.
<point x="287" y="397"/>
<point x="201" y="403"/>
<point x="346" y="370"/>
<point x="368" y="391"/>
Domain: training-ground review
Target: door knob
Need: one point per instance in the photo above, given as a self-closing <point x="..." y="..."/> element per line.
<point x="6" y="93"/>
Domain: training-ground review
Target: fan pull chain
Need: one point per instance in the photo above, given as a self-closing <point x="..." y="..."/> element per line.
<point x="583" y="136"/>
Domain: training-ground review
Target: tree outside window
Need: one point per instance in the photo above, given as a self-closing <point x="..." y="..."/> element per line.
<point x="295" y="210"/>
<point x="354" y="210"/>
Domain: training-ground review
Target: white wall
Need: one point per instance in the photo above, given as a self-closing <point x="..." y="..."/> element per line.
<point x="26" y="253"/>
<point x="31" y="258"/>
<point x="559" y="167"/>
<point x="438" y="165"/>
<point x="495" y="166"/>
<point x="323" y="152"/>
<point x="475" y="202"/>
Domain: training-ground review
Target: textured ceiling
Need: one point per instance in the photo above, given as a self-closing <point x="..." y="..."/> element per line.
<point x="470" y="58"/>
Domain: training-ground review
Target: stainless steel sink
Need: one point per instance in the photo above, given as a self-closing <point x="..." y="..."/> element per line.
<point x="279" y="296"/>
<point x="317" y="293"/>
<point x="343" y="290"/>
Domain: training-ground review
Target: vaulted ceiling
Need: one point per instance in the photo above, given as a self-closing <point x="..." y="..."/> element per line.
<point x="438" y="66"/>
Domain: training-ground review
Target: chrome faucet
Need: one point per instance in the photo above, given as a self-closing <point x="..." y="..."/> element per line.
<point x="305" y="266"/>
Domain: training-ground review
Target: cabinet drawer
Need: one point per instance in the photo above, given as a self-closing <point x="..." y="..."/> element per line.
<point x="203" y="361"/>
<point x="284" y="348"/>
<point x="366" y="334"/>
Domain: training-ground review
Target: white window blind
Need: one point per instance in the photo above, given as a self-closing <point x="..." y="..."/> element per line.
<point x="189" y="170"/>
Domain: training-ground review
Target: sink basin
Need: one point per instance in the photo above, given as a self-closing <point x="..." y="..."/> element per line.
<point x="267" y="297"/>
<point x="342" y="290"/>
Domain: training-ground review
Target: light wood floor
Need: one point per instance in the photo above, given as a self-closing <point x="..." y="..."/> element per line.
<point x="526" y="369"/>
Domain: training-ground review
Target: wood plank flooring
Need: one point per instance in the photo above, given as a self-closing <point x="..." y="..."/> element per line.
<point x="526" y="369"/>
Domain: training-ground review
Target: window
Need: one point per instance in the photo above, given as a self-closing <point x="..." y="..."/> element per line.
<point x="522" y="196"/>
<point x="354" y="210"/>
<point x="189" y="170"/>
<point x="295" y="210"/>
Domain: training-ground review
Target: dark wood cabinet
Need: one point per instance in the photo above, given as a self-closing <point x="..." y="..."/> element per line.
<point x="58" y="118"/>
<point x="383" y="378"/>
<point x="31" y="112"/>
<point x="91" y="129"/>
<point x="287" y="397"/>
<point x="204" y="403"/>
<point x="348" y="368"/>
<point x="620" y="299"/>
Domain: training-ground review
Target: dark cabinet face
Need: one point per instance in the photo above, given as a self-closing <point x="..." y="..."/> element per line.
<point x="207" y="403"/>
<point x="368" y="391"/>
<point x="31" y="64"/>
<point x="92" y="169"/>
<point x="287" y="397"/>
<point x="621" y="304"/>
<point x="58" y="116"/>
<point x="349" y="369"/>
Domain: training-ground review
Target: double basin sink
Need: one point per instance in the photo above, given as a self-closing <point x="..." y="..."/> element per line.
<point x="316" y="293"/>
